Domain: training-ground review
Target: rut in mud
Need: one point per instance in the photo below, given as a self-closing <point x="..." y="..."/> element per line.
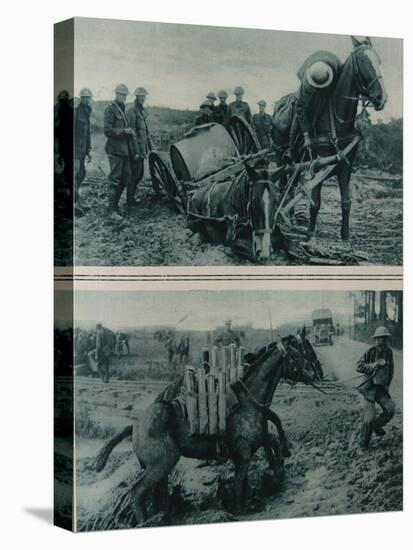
<point x="154" y="234"/>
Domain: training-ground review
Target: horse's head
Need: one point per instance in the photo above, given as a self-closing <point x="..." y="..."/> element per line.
<point x="263" y="198"/>
<point x="369" y="80"/>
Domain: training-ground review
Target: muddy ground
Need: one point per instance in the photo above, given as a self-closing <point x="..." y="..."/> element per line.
<point x="328" y="473"/>
<point x="154" y="234"/>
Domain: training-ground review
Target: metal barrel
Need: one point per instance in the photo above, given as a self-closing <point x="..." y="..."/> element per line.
<point x="202" y="152"/>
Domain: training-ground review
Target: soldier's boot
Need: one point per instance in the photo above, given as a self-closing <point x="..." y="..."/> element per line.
<point x="366" y="433"/>
<point x="130" y="194"/>
<point x="345" y="220"/>
<point x="113" y="199"/>
<point x="313" y="220"/>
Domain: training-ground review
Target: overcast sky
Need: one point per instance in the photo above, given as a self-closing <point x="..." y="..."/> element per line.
<point x="198" y="309"/>
<point x="180" y="64"/>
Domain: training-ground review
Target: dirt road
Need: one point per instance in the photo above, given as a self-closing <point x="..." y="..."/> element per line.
<point x="328" y="472"/>
<point x="154" y="234"/>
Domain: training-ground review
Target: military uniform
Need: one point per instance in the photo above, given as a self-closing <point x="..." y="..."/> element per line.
<point x="262" y="123"/>
<point x="202" y="118"/>
<point x="136" y="116"/>
<point x="221" y="113"/>
<point x="120" y="148"/>
<point x="63" y="120"/>
<point x="226" y="338"/>
<point x="105" y="345"/>
<point x="378" y="367"/>
<point x="241" y="109"/>
<point x="311" y="100"/>
<point x="82" y="143"/>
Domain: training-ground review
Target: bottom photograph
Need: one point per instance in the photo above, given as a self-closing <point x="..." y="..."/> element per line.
<point x="207" y="406"/>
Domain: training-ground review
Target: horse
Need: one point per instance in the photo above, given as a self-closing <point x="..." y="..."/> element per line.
<point x="161" y="435"/>
<point x="304" y="346"/>
<point x="360" y="78"/>
<point x="238" y="210"/>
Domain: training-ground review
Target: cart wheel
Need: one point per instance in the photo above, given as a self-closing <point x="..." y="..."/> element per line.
<point x="243" y="136"/>
<point x="163" y="181"/>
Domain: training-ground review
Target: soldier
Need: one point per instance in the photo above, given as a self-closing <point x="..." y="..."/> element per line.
<point x="82" y="142"/>
<point x="120" y="148"/>
<point x="206" y="114"/>
<point x="318" y="75"/>
<point x="263" y="125"/>
<point x="378" y="367"/>
<point x="136" y="116"/>
<point x="228" y="336"/>
<point x="211" y="97"/>
<point x="105" y="345"/>
<point x="63" y="123"/>
<point x="239" y="107"/>
<point x="221" y="111"/>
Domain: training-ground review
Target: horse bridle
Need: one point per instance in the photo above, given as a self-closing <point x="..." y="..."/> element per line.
<point x="363" y="89"/>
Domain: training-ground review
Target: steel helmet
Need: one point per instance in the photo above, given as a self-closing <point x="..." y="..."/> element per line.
<point x="319" y="74"/>
<point x="205" y="103"/>
<point x="381" y="331"/>
<point x="85" y="92"/>
<point x="64" y="94"/>
<point x="211" y="95"/>
<point x="239" y="90"/>
<point x="262" y="102"/>
<point x="140" y="91"/>
<point x="121" y="89"/>
<point x="223" y="94"/>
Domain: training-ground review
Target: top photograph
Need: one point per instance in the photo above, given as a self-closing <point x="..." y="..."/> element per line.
<point x="185" y="145"/>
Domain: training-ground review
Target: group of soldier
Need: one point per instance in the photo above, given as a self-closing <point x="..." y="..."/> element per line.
<point x="128" y="138"/>
<point x="223" y="111"/>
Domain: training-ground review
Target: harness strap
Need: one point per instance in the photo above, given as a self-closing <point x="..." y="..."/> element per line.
<point x="332" y="123"/>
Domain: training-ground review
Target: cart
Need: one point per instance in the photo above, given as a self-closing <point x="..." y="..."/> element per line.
<point x="206" y="153"/>
<point x="212" y="153"/>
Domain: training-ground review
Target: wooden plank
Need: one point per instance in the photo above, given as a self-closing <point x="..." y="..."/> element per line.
<point x="212" y="405"/>
<point x="222" y="403"/>
<point x="191" y="400"/>
<point x="202" y="401"/>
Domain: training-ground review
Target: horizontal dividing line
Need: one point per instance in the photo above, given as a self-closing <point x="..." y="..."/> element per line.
<point x="193" y="276"/>
<point x="211" y="279"/>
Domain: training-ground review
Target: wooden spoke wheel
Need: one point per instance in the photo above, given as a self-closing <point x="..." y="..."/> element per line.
<point x="243" y="136"/>
<point x="164" y="182"/>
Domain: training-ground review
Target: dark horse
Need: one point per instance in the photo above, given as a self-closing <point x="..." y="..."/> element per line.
<point x="237" y="210"/>
<point x="304" y="346"/>
<point x="161" y="435"/>
<point x="360" y="77"/>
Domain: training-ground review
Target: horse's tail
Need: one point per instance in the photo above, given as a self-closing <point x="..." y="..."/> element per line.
<point x="103" y="455"/>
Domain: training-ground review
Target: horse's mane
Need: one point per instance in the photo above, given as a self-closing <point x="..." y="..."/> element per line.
<point x="172" y="390"/>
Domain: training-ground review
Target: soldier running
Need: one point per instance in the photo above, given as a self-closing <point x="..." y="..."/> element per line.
<point x="263" y="125"/>
<point x="221" y="111"/>
<point x="82" y="142"/>
<point x="378" y="367"/>
<point x="240" y="107"/>
<point x="120" y="148"/>
<point x="136" y="116"/>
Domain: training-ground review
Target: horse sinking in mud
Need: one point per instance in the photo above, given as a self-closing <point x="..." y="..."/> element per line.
<point x="360" y="78"/>
<point x="239" y="212"/>
<point x="161" y="435"/>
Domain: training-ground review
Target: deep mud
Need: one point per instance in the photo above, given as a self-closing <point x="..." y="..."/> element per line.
<point x="154" y="234"/>
<point x="328" y="473"/>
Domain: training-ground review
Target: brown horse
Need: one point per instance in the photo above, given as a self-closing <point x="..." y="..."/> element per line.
<point x="360" y="78"/>
<point x="161" y="435"/>
<point x="238" y="210"/>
